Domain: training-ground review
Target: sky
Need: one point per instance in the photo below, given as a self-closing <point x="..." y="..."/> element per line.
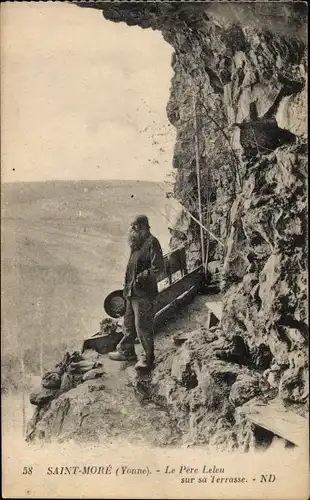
<point x="82" y="97"/>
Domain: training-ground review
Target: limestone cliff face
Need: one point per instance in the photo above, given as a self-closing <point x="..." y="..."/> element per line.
<point x="245" y="68"/>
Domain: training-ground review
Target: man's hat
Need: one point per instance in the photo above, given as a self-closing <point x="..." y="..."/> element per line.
<point x="141" y="220"/>
<point x="115" y="304"/>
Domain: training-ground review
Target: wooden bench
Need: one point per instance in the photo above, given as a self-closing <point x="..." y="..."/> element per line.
<point x="275" y="418"/>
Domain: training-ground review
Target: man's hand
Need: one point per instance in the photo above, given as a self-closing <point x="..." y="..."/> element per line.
<point x="142" y="276"/>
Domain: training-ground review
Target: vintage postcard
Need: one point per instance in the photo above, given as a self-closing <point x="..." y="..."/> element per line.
<point x="154" y="250"/>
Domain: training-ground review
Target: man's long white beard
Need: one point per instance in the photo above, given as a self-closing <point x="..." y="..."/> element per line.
<point x="137" y="238"/>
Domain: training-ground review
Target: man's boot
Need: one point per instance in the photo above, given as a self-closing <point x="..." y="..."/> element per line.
<point x="118" y="356"/>
<point x="144" y="366"/>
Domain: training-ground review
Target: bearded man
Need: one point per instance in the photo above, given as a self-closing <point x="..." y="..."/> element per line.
<point x="140" y="289"/>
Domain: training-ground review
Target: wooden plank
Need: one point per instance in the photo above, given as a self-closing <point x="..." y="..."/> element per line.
<point x="278" y="420"/>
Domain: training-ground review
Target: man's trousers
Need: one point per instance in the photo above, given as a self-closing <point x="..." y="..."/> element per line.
<point x="138" y="321"/>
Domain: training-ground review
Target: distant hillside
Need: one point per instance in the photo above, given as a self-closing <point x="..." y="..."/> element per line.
<point x="63" y="249"/>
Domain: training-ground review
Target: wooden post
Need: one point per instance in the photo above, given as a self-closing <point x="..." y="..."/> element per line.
<point x="204" y="228"/>
<point x="208" y="237"/>
<point x="198" y="182"/>
<point x="208" y="215"/>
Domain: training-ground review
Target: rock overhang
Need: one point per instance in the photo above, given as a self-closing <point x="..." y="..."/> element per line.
<point x="288" y="18"/>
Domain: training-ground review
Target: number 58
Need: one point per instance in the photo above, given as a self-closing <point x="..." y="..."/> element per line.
<point x="27" y="470"/>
